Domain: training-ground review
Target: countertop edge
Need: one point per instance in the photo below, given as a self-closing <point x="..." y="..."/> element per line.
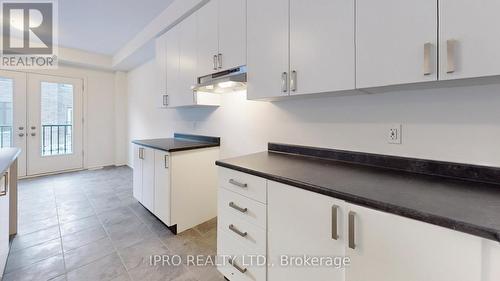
<point x="464" y="227"/>
<point x="177" y="149"/>
<point x="12" y="157"/>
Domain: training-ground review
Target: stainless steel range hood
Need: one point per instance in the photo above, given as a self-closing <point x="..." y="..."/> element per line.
<point x="222" y="82"/>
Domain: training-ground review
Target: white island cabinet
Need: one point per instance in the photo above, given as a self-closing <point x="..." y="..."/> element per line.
<point x="179" y="187"/>
<point x="369" y="245"/>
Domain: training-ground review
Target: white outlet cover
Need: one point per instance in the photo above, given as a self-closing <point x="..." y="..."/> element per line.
<point x="394" y="134"/>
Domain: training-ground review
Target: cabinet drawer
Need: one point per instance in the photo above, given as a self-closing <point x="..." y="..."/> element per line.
<point x="242" y="207"/>
<point x="252" y="236"/>
<point x="245" y="260"/>
<point x="247" y="185"/>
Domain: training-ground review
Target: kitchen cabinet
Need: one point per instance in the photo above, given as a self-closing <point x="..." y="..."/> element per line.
<point x="221" y="36"/>
<point x="162" y="190"/>
<point x="404" y="249"/>
<point x="299" y="47"/>
<point x="187" y="63"/>
<point x="161" y="64"/>
<point x="4" y="221"/>
<point x="468" y="40"/>
<point x="165" y="185"/>
<point x="301" y="222"/>
<point x="396" y="42"/>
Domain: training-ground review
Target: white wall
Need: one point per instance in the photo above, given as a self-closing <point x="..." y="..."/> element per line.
<point x="451" y="124"/>
<point x="99" y="114"/>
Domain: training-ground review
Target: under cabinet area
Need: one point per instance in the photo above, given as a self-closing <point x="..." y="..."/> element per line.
<point x="164" y="184"/>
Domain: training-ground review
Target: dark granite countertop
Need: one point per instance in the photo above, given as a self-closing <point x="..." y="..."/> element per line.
<point x="7" y="156"/>
<point x="467" y="206"/>
<point x="180" y="142"/>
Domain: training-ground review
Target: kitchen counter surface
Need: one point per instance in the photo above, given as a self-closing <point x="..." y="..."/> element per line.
<point x="7" y="157"/>
<point x="180" y="142"/>
<point x="467" y="206"/>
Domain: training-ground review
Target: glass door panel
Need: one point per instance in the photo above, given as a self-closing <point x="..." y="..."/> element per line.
<point x="6" y="114"/>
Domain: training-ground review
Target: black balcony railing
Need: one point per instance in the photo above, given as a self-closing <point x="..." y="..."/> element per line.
<point x="57" y="139"/>
<point x="5" y="136"/>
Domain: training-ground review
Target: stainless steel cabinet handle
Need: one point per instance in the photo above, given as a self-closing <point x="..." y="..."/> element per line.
<point x="237" y="231"/>
<point x="5" y="184"/>
<point x="215" y="62"/>
<point x="427" y="59"/>
<point x="165" y="100"/>
<point x="293" y="81"/>
<point x="242" y="270"/>
<point x="21" y="135"/>
<point x="236" y="207"/>
<point x="166" y="161"/>
<point x="220" y="60"/>
<point x="141" y="153"/>
<point x="284" y="82"/>
<point x="450" y="55"/>
<point x="335" y="232"/>
<point x="352" y="229"/>
<point x="237" y="183"/>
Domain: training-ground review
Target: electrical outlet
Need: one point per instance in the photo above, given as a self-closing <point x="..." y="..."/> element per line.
<point x="395" y="134"/>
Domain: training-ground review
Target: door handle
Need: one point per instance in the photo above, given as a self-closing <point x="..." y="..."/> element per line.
<point x="240" y="269"/>
<point x="293" y="81"/>
<point x="335" y="232"/>
<point x="33" y="127"/>
<point x="141" y="153"/>
<point x="450" y="55"/>
<point x="165" y="100"/>
<point x="33" y="134"/>
<point x="236" y="207"/>
<point x="237" y="231"/>
<point x="219" y="57"/>
<point x="427" y="58"/>
<point x="166" y="161"/>
<point x="237" y="183"/>
<point x="21" y="128"/>
<point x="284" y="82"/>
<point x="215" y="62"/>
<point x="352" y="229"/>
<point x="5" y="185"/>
<point x="21" y="135"/>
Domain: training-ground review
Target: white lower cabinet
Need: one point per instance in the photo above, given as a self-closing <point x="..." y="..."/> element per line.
<point x="4" y="222"/>
<point x="165" y="185"/>
<point x="368" y="245"/>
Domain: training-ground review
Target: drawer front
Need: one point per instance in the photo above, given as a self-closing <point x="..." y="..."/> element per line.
<point x="244" y="232"/>
<point x="246" y="266"/>
<point x="247" y="185"/>
<point x="242" y="207"/>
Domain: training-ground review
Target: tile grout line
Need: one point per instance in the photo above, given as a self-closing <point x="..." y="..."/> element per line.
<point x="60" y="237"/>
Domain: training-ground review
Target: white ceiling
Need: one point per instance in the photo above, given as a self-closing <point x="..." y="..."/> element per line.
<point x="104" y="26"/>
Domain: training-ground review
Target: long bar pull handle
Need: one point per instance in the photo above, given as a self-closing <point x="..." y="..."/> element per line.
<point x="293" y="81"/>
<point x="238" y="208"/>
<point x="284" y="82"/>
<point x="427" y="59"/>
<point x="166" y="161"/>
<point x="141" y="153"/>
<point x="237" y="183"/>
<point x="240" y="269"/>
<point x="215" y="62"/>
<point x="165" y="100"/>
<point x="352" y="230"/>
<point x="5" y="185"/>
<point x="450" y="55"/>
<point x="237" y="231"/>
<point x="335" y="232"/>
<point x="219" y="60"/>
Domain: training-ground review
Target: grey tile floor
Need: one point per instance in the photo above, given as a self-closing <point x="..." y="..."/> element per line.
<point x="87" y="226"/>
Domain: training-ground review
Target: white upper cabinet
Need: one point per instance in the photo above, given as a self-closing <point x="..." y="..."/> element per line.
<point x="267" y="48"/>
<point x="301" y="223"/>
<point x="396" y="42"/>
<point x="187" y="63"/>
<point x="172" y="64"/>
<point x="469" y="41"/>
<point x="390" y="247"/>
<point x="232" y="33"/>
<point x="161" y="64"/>
<point x="207" y="37"/>
<point x="321" y="46"/>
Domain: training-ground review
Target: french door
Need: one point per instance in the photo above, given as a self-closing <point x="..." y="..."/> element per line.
<point x="42" y="115"/>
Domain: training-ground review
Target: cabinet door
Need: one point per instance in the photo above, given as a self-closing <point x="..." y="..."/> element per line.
<point x="187" y="63"/>
<point x="161" y="64"/>
<point x="301" y="223"/>
<point x="390" y="247"/>
<point x="4" y="223"/>
<point x="393" y="39"/>
<point x="232" y="33"/>
<point x="148" y="176"/>
<point x="267" y="48"/>
<point x="469" y="41"/>
<point x="207" y="38"/>
<point x="172" y="65"/>
<point x="321" y="46"/>
<point x="137" y="184"/>
<point x="162" y="192"/>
